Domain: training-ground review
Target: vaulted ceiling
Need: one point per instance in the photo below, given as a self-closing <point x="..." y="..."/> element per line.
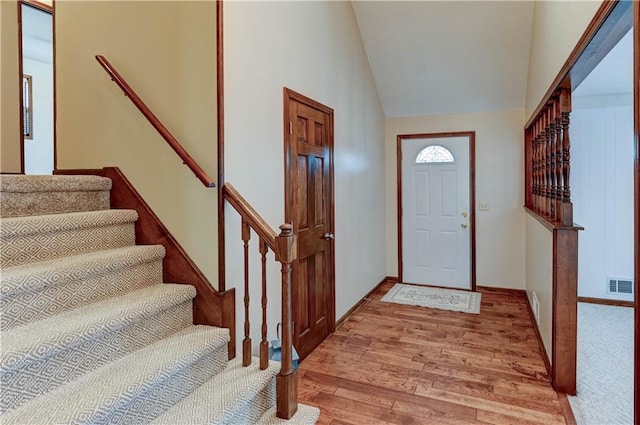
<point x="445" y="57"/>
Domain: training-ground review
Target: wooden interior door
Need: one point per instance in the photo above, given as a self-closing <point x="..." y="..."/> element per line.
<point x="309" y="205"/>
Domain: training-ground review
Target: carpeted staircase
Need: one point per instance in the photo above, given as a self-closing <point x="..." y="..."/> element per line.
<point x="91" y="334"/>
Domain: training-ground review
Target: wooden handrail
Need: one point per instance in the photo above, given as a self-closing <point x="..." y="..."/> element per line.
<point x="254" y="219"/>
<point x="155" y="122"/>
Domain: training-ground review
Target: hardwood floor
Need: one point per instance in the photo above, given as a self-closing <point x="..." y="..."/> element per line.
<point x="398" y="364"/>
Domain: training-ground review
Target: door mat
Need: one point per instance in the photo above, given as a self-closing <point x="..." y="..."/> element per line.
<point x="443" y="299"/>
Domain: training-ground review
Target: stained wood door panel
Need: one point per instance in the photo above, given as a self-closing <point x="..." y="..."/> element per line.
<point x="309" y="204"/>
<point x="402" y="364"/>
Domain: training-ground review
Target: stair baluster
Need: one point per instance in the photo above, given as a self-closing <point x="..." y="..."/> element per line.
<point x="547" y="160"/>
<point x="543" y="163"/>
<point x="264" y="345"/>
<point x="552" y="158"/>
<point x="284" y="246"/>
<point x="246" y="342"/>
<point x="567" y="206"/>
<point x="558" y="154"/>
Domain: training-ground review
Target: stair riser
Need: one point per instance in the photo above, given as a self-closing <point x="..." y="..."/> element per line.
<point x="148" y="400"/>
<point x="26" y="249"/>
<point x="252" y="410"/>
<point x="40" y="375"/>
<point x="58" y="297"/>
<point x="15" y="204"/>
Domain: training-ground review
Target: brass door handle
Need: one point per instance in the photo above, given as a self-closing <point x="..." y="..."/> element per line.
<point x="464" y="225"/>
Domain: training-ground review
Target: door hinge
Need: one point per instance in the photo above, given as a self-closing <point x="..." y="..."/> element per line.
<point x="290" y="127"/>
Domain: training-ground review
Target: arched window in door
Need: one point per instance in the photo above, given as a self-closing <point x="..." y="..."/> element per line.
<point x="434" y="154"/>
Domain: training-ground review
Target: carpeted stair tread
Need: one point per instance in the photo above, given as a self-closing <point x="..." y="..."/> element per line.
<point x="36" y="291"/>
<point x="47" y="237"/>
<point x="24" y="226"/>
<point x="35" y="276"/>
<point x="223" y="398"/>
<point x="136" y="388"/>
<point x="45" y="337"/>
<point x="71" y="359"/>
<point x="306" y="415"/>
<point x="57" y="183"/>
<point x="37" y="195"/>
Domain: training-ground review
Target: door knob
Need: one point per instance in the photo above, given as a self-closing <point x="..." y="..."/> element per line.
<point x="464" y="215"/>
<point x="329" y="236"/>
<point x="464" y="225"/>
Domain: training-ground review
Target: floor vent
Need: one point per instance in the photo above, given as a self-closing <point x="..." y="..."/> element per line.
<point x="536" y="308"/>
<point x="620" y="286"/>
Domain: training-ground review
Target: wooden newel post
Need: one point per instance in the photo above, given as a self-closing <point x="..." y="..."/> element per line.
<point x="286" y="383"/>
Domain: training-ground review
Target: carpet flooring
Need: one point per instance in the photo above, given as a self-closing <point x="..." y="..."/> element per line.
<point x="605" y="366"/>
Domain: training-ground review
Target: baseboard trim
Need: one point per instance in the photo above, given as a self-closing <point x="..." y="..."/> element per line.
<point x="565" y="408"/>
<point x="514" y="291"/>
<point x="545" y="357"/>
<point x="349" y="313"/>
<point x="604" y="301"/>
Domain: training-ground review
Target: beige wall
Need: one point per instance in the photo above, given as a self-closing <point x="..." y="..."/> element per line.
<point x="499" y="178"/>
<point x="557" y="27"/>
<point x="166" y="51"/>
<point x="315" y="49"/>
<point x="10" y="89"/>
<point x="539" y="276"/>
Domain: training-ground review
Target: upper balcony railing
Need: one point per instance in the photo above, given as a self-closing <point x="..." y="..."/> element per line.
<point x="155" y="122"/>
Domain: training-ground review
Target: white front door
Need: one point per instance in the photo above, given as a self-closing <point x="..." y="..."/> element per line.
<point x="436" y="225"/>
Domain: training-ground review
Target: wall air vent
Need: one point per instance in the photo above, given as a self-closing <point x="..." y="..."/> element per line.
<point x="536" y="308"/>
<point x="620" y="286"/>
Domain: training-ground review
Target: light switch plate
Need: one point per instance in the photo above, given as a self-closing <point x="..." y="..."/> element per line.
<point x="483" y="206"/>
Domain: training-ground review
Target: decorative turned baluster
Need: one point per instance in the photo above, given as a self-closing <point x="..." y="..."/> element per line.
<point x="542" y="186"/>
<point x="264" y="345"/>
<point x="246" y="342"/>
<point x="539" y="166"/>
<point x="566" y="157"/>
<point x="548" y="155"/>
<point x="558" y="168"/>
<point x="567" y="207"/>
<point x="534" y="166"/>
<point x="552" y="159"/>
<point x="545" y="186"/>
<point x="286" y="384"/>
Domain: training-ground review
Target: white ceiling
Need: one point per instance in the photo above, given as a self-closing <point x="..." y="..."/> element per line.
<point x="37" y="34"/>
<point x="614" y="73"/>
<point x="445" y="57"/>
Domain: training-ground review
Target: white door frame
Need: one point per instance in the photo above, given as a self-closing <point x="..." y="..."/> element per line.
<point x="471" y="135"/>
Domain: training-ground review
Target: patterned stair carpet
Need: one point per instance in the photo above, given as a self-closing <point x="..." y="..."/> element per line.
<point x="91" y="333"/>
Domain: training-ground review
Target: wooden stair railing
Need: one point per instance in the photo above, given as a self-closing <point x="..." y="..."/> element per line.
<point x="155" y="122"/>
<point x="548" y="161"/>
<point x="284" y="247"/>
